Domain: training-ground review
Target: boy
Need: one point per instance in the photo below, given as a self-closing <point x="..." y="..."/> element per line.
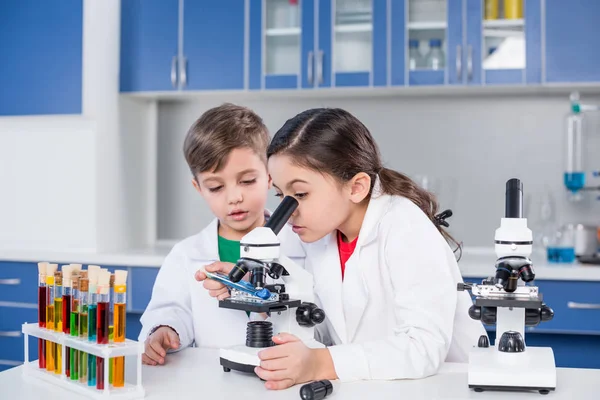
<point x="226" y="151"/>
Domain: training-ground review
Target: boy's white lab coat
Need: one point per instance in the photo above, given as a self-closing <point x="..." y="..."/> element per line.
<point x="397" y="314"/>
<point x="179" y="301"/>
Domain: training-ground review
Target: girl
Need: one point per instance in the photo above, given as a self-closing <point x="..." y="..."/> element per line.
<point x="383" y="270"/>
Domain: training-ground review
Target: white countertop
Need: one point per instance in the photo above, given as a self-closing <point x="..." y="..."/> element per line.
<point x="195" y="373"/>
<point x="475" y="262"/>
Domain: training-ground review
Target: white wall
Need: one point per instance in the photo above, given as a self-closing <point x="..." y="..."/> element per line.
<point x="478" y="142"/>
<point x="47" y="183"/>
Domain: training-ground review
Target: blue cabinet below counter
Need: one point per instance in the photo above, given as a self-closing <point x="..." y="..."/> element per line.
<point x="18" y="304"/>
<point x="574" y="331"/>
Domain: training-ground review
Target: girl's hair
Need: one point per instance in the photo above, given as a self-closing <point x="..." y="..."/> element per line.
<point x="333" y="141"/>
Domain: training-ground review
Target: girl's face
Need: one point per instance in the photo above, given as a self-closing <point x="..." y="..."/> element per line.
<point x="324" y="204"/>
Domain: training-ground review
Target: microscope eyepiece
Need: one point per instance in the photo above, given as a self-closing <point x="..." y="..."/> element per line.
<point x="282" y="213"/>
<point x="514" y="199"/>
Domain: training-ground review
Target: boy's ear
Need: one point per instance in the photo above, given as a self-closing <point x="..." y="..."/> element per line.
<point x="196" y="185"/>
<point x="359" y="187"/>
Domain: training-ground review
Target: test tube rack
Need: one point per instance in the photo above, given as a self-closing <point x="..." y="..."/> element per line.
<point x="106" y="351"/>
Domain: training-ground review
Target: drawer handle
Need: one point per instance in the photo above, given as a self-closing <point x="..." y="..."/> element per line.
<point x="583" y="306"/>
<point x="10" y="334"/>
<point x="12" y="282"/>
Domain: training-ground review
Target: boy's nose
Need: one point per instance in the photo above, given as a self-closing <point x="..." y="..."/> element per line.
<point x="235" y="196"/>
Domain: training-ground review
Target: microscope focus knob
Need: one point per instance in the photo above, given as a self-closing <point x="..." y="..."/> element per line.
<point x="483" y="341"/>
<point x="308" y="314"/>
<point x="546" y="313"/>
<point x="511" y="342"/>
<point x="475" y="312"/>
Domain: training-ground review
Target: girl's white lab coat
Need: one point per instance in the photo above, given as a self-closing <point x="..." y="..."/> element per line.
<point x="179" y="301"/>
<point x="397" y="314"/>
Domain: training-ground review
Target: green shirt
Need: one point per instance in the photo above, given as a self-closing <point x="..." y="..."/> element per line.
<point x="229" y="250"/>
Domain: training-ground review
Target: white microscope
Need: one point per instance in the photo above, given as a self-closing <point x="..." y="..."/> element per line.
<point x="288" y="306"/>
<point x="509" y="364"/>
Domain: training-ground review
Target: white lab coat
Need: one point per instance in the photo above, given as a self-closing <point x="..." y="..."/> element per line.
<point x="397" y="314"/>
<point x="179" y="301"/>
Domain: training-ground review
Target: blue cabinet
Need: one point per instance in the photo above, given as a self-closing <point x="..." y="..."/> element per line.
<point x="572" y="32"/>
<point x="178" y="45"/>
<point x="41" y="53"/>
<point x="149" y="45"/>
<point x="313" y="44"/>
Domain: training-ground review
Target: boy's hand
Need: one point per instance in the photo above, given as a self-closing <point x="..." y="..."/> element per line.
<point x="157" y="344"/>
<point x="215" y="289"/>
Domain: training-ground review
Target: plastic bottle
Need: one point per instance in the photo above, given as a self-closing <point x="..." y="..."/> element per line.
<point x="435" y="58"/>
<point x="491" y="9"/>
<point x="415" y="60"/>
<point x="513" y="9"/>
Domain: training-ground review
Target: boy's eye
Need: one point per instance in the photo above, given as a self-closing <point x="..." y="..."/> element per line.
<point x="215" y="189"/>
<point x="249" y="181"/>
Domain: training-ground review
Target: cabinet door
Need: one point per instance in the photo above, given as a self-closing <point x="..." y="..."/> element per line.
<point x="428" y="39"/>
<point x="358" y="56"/>
<point x="504" y="42"/>
<point x="572" y="30"/>
<point x="279" y="40"/>
<point x="41" y="52"/>
<point x="149" y="45"/>
<point x="213" y="45"/>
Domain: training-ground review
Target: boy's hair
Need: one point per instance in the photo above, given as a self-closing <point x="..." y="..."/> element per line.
<point x="333" y="141"/>
<point x="220" y="130"/>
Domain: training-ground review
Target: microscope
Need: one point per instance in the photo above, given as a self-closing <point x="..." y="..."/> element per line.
<point x="509" y="364"/>
<point x="288" y="306"/>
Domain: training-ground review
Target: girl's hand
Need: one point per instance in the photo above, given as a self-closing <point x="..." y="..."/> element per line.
<point x="292" y="362"/>
<point x="215" y="289"/>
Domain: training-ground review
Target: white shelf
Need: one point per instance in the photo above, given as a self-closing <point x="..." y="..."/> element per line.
<point x="503" y="23"/>
<point x="129" y="391"/>
<point x="127" y="348"/>
<point x="427" y="25"/>
<point x="353" y="28"/>
<point x="283" y="32"/>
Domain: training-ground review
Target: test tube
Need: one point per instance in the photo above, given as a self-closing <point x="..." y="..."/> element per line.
<point x="111" y="325"/>
<point x="74" y="324"/>
<point x="102" y="323"/>
<point x="84" y="283"/>
<point x="93" y="272"/>
<point x="66" y="313"/>
<point x="50" y="346"/>
<point x="58" y="318"/>
<point x="119" y="331"/>
<point x="42" y="312"/>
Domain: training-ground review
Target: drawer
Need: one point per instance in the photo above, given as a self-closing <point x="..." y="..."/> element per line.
<point x="141" y="284"/>
<point x="11" y="318"/>
<point x="11" y="348"/>
<point x="576" y="306"/>
<point x="18" y="282"/>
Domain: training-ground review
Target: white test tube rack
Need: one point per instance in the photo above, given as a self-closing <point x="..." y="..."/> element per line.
<point x="106" y="351"/>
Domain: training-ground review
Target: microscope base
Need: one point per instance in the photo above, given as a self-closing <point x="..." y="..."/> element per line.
<point x="534" y="369"/>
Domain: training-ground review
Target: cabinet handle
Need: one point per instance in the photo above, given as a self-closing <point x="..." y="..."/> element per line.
<point x="183" y="72"/>
<point x="174" y="71"/>
<point x="459" y="63"/>
<point x="10" y="334"/>
<point x="320" y="67"/>
<point x="583" y="306"/>
<point x="470" y="63"/>
<point x="311" y="56"/>
<point x="11" y="282"/>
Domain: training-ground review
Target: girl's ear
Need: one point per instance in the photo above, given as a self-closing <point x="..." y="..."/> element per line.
<point x="270" y="185"/>
<point x="359" y="185"/>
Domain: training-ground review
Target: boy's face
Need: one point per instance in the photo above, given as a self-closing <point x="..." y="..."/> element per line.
<point x="237" y="194"/>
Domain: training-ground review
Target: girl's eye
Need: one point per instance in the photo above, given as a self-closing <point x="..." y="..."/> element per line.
<point x="300" y="195"/>
<point x="215" y="189"/>
<point x="279" y="195"/>
<point x="249" y="182"/>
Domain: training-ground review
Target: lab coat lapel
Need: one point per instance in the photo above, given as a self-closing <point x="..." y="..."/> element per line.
<point x="206" y="247"/>
<point x="327" y="274"/>
<point x="363" y="262"/>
